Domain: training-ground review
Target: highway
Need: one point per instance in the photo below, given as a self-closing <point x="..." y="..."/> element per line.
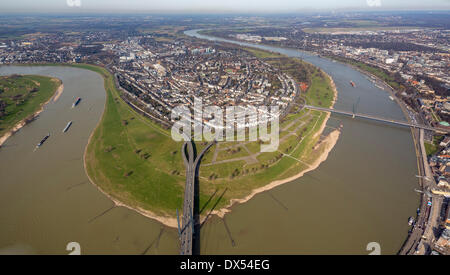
<point x="187" y="230"/>
<point x="192" y="167"/>
<point x="375" y="118"/>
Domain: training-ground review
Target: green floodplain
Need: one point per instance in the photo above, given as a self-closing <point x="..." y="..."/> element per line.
<point x="21" y="96"/>
<point x="135" y="161"/>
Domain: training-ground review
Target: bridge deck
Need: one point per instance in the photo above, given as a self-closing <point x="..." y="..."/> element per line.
<point x="375" y="118"/>
<point x="188" y="204"/>
<point x="187" y="230"/>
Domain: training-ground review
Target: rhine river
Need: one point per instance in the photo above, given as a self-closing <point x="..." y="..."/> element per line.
<point x="363" y="192"/>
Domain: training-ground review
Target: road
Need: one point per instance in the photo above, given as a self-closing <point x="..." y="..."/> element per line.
<point x="192" y="168"/>
<point x="187" y="230"/>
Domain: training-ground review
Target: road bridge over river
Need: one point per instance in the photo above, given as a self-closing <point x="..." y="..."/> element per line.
<point x="374" y="118"/>
<point x="192" y="166"/>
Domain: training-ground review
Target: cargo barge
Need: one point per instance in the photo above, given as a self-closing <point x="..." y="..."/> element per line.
<point x="76" y="102"/>
<point x="67" y="126"/>
<point x="42" y="141"/>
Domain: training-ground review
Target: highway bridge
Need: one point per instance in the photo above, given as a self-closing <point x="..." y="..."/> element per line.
<point x="186" y="231"/>
<point x="375" y="118"/>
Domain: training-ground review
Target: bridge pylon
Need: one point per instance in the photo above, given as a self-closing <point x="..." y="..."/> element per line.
<point x="355" y="106"/>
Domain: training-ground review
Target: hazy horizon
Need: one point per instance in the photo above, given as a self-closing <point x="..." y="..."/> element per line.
<point x="204" y="6"/>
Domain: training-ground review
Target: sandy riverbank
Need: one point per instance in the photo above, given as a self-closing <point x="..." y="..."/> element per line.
<point x="30" y="118"/>
<point x="333" y="86"/>
<point x="16" y="128"/>
<point x="58" y="93"/>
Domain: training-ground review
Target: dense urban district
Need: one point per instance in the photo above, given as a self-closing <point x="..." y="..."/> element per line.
<point x="150" y="68"/>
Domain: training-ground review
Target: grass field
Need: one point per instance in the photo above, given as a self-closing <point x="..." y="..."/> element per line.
<point x="432" y="148"/>
<point x="138" y="163"/>
<point x="21" y="96"/>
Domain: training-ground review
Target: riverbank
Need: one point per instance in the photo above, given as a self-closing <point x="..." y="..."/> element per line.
<point x="29" y="118"/>
<point x="333" y="87"/>
<point x="58" y="93"/>
<point x="367" y="69"/>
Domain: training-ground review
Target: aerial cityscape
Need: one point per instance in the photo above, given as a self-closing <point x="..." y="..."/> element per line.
<point x="198" y="128"/>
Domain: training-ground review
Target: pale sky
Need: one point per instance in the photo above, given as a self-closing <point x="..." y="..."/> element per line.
<point x="212" y="5"/>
